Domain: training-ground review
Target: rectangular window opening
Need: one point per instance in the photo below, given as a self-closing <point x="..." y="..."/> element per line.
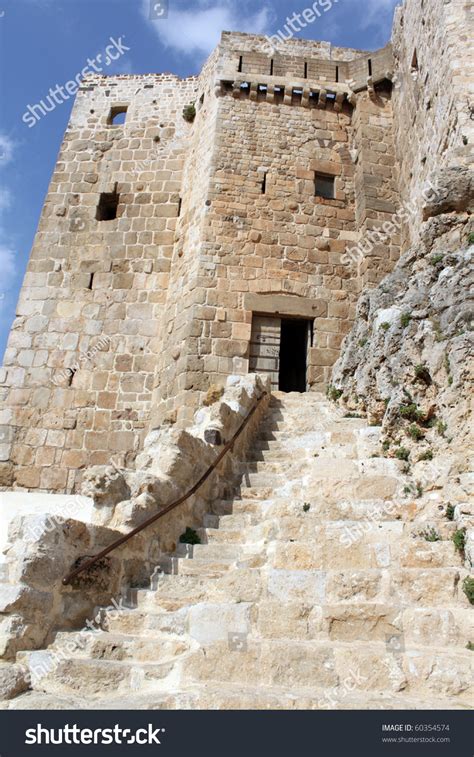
<point x="180" y="205"/>
<point x="337" y="73"/>
<point x="91" y="281"/>
<point x="264" y="184"/>
<point x="324" y="186"/>
<point x="305" y="70"/>
<point x="271" y="67"/>
<point x="117" y="115"/>
<point x="108" y="205"/>
<point x="241" y="60"/>
<point x="370" y="66"/>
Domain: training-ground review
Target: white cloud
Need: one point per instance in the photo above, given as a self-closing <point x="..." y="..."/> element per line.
<point x="8" y="268"/>
<point x="196" y="31"/>
<point x="6" y="149"/>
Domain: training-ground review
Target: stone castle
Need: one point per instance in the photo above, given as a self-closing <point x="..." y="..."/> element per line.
<point x="172" y="254"/>
<point x="203" y="241"/>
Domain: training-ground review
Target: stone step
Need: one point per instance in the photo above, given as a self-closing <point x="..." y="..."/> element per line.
<point x="119" y="647"/>
<point x="91" y="677"/>
<point x="438" y="671"/>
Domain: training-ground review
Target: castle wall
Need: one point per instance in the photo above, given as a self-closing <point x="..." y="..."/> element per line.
<point x="126" y="324"/>
<point x="79" y="367"/>
<point x="432" y="44"/>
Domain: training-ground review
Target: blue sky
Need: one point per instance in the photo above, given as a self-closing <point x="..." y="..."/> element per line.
<point x="44" y="43"/>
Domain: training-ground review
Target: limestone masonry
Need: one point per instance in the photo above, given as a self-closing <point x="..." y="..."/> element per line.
<point x="228" y="247"/>
<point x="209" y="233"/>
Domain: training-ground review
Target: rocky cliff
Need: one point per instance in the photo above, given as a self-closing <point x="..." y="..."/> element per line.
<point x="407" y="362"/>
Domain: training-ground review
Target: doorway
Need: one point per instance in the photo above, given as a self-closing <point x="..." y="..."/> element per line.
<point x="279" y="347"/>
<point x="293" y="355"/>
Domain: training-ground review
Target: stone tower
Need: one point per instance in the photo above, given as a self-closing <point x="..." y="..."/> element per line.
<point x="210" y="233"/>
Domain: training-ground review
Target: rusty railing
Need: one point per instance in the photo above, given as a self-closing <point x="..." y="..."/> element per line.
<point x="123" y="539"/>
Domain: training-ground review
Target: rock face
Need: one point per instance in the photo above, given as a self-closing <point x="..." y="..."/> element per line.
<point x="408" y="360"/>
<point x="317" y="585"/>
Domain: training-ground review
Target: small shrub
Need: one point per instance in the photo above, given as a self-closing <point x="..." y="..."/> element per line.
<point x="334" y="394"/>
<point x="386" y="445"/>
<point x="435" y="259"/>
<point x="470" y="238"/>
<point x="189" y="112"/>
<point x="405" y="320"/>
<point x="422" y="374"/>
<point x="362" y="342"/>
<point x="190" y="536"/>
<point x="419" y="490"/>
<point x="459" y="540"/>
<point x="441" y="428"/>
<point x="402" y="453"/>
<point x="411" y="413"/>
<point x="428" y="455"/>
<point x="449" y="512"/>
<point x="415" y="433"/>
<point x="468" y="588"/>
<point x="430" y="534"/>
<point x="407" y="490"/>
<point x="385" y="326"/>
<point x="306" y="507"/>
<point x="470" y="646"/>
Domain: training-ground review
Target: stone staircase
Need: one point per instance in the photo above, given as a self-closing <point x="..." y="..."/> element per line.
<point x="312" y="588"/>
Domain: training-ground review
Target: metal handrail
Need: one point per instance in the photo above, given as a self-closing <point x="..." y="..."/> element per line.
<point x="89" y="563"/>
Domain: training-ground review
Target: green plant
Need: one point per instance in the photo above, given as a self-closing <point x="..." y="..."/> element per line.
<point x="459" y="540"/>
<point x="447" y="367"/>
<point x="430" y="534"/>
<point x="402" y="453"/>
<point x="415" y="433"/>
<point x="189" y="112"/>
<point x="411" y="413"/>
<point x="468" y="588"/>
<point x="428" y="455"/>
<point x="419" y="490"/>
<point x="306" y="507"/>
<point x="441" y="428"/>
<point x="362" y="342"/>
<point x="422" y="374"/>
<point x="385" y="326"/>
<point x="470" y="646"/>
<point x="435" y="259"/>
<point x="449" y="512"/>
<point x="407" y="489"/>
<point x="386" y="445"/>
<point x="352" y="415"/>
<point x="334" y="393"/>
<point x="470" y="238"/>
<point x="405" y="320"/>
<point x="190" y="536"/>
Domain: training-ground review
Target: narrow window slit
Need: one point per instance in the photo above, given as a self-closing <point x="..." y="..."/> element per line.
<point x="370" y="66"/>
<point x="306" y="70"/>
<point x="180" y="204"/>
<point x="241" y="60"/>
<point x="264" y="184"/>
<point x="271" y="67"/>
<point x="337" y="73"/>
<point x="91" y="281"/>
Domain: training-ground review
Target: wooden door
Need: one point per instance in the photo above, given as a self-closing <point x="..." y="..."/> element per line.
<point x="265" y="347"/>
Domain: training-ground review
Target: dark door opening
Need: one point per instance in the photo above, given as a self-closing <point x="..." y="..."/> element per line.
<point x="293" y="355"/>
